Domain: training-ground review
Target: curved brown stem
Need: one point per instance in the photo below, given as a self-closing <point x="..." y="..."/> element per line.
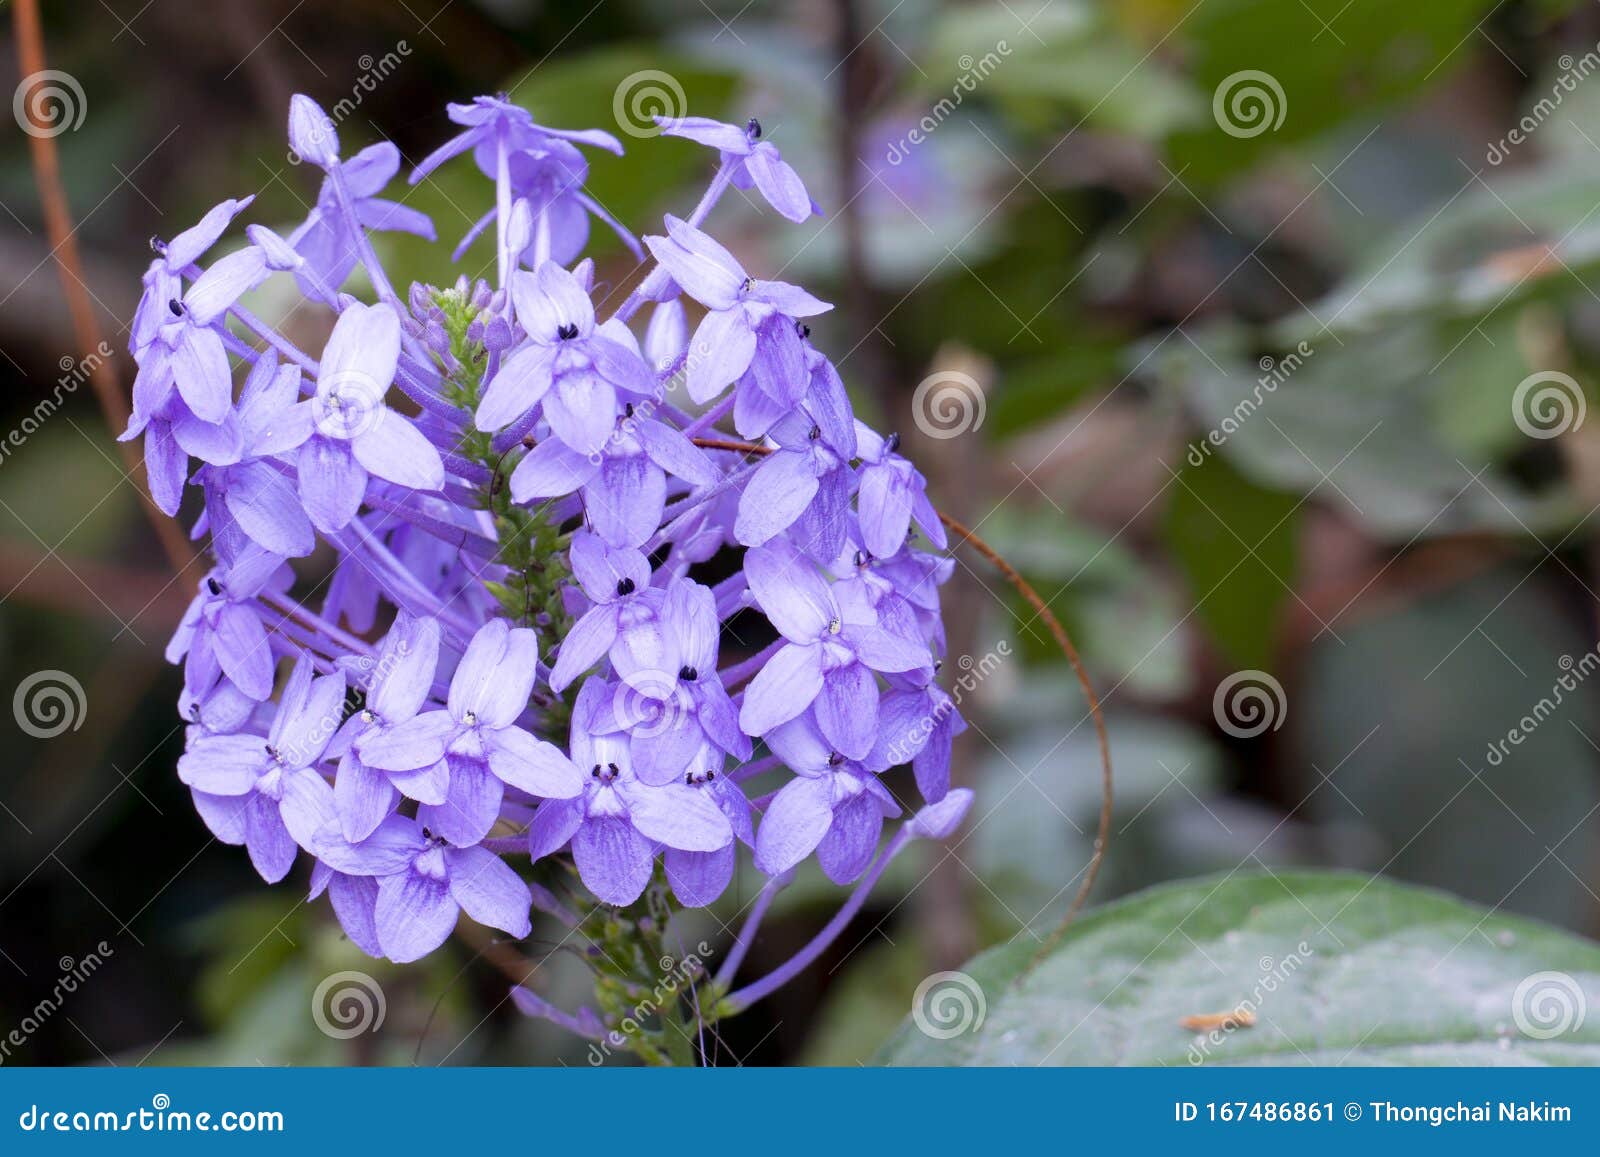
<point x="1064" y="641"/>
<point x="64" y="249"/>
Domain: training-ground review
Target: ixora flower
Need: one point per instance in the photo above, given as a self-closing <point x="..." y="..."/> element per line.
<point x="492" y="626"/>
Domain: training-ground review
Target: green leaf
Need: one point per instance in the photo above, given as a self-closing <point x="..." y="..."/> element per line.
<point x="1235" y="542"/>
<point x="1339" y="969"/>
<point x="1351" y="57"/>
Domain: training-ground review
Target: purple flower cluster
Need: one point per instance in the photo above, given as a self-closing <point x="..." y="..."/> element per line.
<point x="510" y="636"/>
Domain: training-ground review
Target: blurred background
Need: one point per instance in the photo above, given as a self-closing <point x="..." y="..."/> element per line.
<point x="1260" y="335"/>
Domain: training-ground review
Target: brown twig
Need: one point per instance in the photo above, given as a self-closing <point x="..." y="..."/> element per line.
<point x="64" y="249"/>
<point x="1064" y="641"/>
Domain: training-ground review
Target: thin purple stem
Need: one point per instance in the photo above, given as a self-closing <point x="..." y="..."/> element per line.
<point x="787" y="971"/>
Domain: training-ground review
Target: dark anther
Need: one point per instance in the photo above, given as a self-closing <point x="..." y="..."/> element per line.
<point x="892" y="443"/>
<point x="814" y="433"/>
<point x="567" y="332"/>
<point x="595" y="771"/>
<point x="862" y="558"/>
<point x="214" y="587"/>
<point x="176" y="307"/>
<point x="802" y="329"/>
<point x="625" y="586"/>
<point x="711" y="773"/>
<point x="612" y="768"/>
<point x="426" y="834"/>
<point x="688" y="777"/>
<point x="272" y="752"/>
<point x="749" y="284"/>
<point x="627" y="411"/>
<point x="157" y="245"/>
<point x="688" y="674"/>
<point x="834" y="759"/>
<point x="753" y="127"/>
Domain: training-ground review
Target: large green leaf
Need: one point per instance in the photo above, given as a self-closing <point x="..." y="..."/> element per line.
<point x="1339" y="969"/>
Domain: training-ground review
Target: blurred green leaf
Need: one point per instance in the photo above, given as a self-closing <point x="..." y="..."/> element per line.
<point x="1315" y="64"/>
<point x="1235" y="542"/>
<point x="1337" y="969"/>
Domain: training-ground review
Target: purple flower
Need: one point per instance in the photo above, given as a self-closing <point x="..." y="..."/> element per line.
<point x="457" y="726"/>
<point x="917" y="723"/>
<point x="699" y="878"/>
<point x="489" y="122"/>
<point x="806" y="483"/>
<point x="423" y="884"/>
<point x="221" y="635"/>
<point x="263" y="794"/>
<point x="833" y="807"/>
<point x="751" y="324"/>
<point x="326" y="240"/>
<point x="752" y="161"/>
<point x="252" y="498"/>
<point x="163" y="281"/>
<point x="830" y="653"/>
<point x="569" y="366"/>
<point x="892" y="492"/>
<point x="624" y="483"/>
<point x="355" y="433"/>
<point x="614" y="825"/>
<point x="669" y="698"/>
<point x="474" y="744"/>
<point x="402" y="675"/>
<point x="617" y="582"/>
<point x="549" y="179"/>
